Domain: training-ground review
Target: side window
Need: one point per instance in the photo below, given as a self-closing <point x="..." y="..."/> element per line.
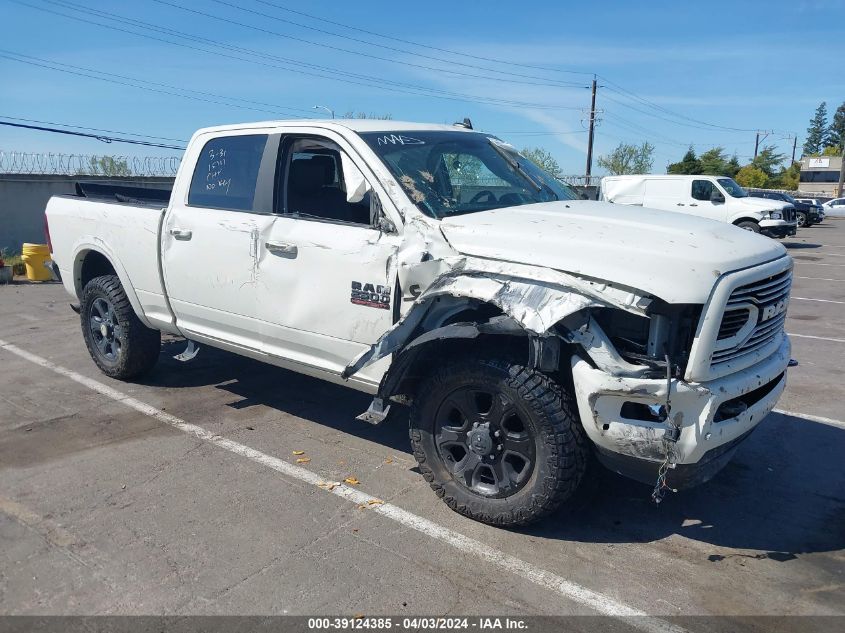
<point x="315" y="186"/>
<point x="702" y="189"/>
<point x="227" y="171"/>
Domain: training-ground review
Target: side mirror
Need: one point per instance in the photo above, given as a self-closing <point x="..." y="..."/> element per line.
<point x="377" y="217"/>
<point x="356" y="185"/>
<point x="716" y="197"/>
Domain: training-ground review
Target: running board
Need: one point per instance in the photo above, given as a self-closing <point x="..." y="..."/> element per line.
<point x="376" y="413"/>
<point x="189" y="354"/>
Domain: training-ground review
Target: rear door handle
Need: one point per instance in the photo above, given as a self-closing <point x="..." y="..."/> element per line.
<point x="181" y="234"/>
<point x="680" y="204"/>
<point x="281" y="249"/>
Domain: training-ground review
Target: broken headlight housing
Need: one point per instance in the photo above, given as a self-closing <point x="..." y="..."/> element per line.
<point x="667" y="332"/>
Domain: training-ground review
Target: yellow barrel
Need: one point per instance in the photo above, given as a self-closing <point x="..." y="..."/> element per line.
<point x="35" y="257"/>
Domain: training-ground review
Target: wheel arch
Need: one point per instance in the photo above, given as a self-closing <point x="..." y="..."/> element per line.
<point x="94" y="260"/>
<point x="745" y="218"/>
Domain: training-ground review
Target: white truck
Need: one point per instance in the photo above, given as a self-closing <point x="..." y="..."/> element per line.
<point x="714" y="197"/>
<point x="435" y="267"/>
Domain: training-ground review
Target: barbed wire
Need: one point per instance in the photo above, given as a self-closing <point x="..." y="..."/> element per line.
<point x="13" y="162"/>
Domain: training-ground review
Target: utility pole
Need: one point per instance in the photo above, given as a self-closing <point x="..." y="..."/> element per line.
<point x="841" y="173"/>
<point x="758" y="139"/>
<point x="592" y="132"/>
<point x="794" y="146"/>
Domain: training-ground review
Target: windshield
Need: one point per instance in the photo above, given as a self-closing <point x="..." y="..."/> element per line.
<point x="450" y="173"/>
<point x="733" y="189"/>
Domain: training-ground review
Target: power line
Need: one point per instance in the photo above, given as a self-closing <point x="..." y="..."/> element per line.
<point x="92" y="129"/>
<point x="123" y="80"/>
<point x="539" y="81"/>
<point x="412" y="43"/>
<point x="381" y="83"/>
<point x="99" y="137"/>
<point x="614" y="87"/>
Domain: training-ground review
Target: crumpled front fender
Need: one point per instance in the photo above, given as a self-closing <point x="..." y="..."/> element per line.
<point x="535" y="298"/>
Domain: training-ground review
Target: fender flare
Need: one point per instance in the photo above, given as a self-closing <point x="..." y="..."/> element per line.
<point x="543" y="351"/>
<point x="92" y="244"/>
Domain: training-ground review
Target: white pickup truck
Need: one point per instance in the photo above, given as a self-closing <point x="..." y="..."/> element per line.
<point x="434" y="266"/>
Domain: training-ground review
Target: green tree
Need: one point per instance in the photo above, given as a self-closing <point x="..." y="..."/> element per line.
<point x="105" y="166"/>
<point x="751" y="176"/>
<point x="714" y="162"/>
<point x="543" y="159"/>
<point x="817" y="133"/>
<point x="788" y="178"/>
<point x="769" y="160"/>
<point x="689" y="164"/>
<point x="351" y="114"/>
<point x="628" y="159"/>
<point x="836" y="133"/>
<point x="733" y="166"/>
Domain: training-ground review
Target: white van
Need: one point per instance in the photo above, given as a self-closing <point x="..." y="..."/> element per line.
<point x="714" y="197"/>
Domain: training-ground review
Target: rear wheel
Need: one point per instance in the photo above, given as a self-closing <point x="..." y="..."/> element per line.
<point x="120" y="345"/>
<point x="498" y="442"/>
<point x="749" y="226"/>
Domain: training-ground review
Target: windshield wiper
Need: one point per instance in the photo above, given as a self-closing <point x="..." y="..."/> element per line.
<point x="515" y="165"/>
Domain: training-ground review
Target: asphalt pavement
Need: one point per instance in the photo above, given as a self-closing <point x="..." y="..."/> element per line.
<point x="187" y="493"/>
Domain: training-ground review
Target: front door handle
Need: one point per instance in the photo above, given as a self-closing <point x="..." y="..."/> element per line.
<point x="281" y="249"/>
<point x="181" y="234"/>
<point x="693" y="204"/>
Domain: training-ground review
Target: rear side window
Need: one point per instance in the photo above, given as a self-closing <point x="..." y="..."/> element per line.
<point x="227" y="171"/>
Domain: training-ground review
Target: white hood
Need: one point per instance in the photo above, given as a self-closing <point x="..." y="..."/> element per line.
<point x="672" y="256"/>
<point x="762" y="204"/>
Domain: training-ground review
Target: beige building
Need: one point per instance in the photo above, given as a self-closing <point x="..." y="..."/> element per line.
<point x="820" y="175"/>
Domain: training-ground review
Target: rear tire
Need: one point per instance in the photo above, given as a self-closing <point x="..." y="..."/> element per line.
<point x="500" y="443"/>
<point x="120" y="345"/>
<point x="749" y="226"/>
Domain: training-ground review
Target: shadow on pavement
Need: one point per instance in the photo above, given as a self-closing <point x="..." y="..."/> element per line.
<point x="783" y="493"/>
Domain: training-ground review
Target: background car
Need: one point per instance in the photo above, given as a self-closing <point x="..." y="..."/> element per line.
<point x="834" y="207"/>
<point x="806" y="214"/>
<point x="815" y="202"/>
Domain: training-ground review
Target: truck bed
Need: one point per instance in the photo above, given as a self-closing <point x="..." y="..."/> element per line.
<point x="125" y="229"/>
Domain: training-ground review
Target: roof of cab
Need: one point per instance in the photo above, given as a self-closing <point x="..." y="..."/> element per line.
<point x="356" y="125"/>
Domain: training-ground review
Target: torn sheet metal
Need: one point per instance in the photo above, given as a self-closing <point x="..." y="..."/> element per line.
<point x="535" y="298"/>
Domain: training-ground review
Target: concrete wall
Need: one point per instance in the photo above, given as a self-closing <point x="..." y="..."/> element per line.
<point x="23" y="198"/>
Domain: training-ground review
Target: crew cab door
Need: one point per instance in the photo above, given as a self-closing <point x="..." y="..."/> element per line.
<point x="701" y="200"/>
<point x="327" y="269"/>
<point x="211" y="233"/>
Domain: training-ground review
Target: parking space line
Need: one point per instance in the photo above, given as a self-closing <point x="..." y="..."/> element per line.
<point x="573" y="591"/>
<point x="820" y="338"/>
<point x="818" y="278"/>
<point x="820" y="300"/>
<point x="812" y="418"/>
<point x="803" y="263"/>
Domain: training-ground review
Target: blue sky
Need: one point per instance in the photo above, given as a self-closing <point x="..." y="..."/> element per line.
<point x="671" y="73"/>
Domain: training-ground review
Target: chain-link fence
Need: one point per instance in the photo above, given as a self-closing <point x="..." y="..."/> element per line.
<point x="12" y="162"/>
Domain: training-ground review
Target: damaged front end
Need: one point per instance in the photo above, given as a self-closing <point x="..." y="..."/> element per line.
<point x="626" y="353"/>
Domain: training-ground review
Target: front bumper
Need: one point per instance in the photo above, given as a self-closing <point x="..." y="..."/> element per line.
<point x="714" y="417"/>
<point x="778" y="228"/>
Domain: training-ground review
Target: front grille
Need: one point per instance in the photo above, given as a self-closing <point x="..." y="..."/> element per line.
<point x="766" y="301"/>
<point x="789" y="214"/>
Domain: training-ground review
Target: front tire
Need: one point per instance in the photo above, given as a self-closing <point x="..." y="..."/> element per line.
<point x="749" y="226"/>
<point x="500" y="443"/>
<point x="801" y="218"/>
<point x="120" y="345"/>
